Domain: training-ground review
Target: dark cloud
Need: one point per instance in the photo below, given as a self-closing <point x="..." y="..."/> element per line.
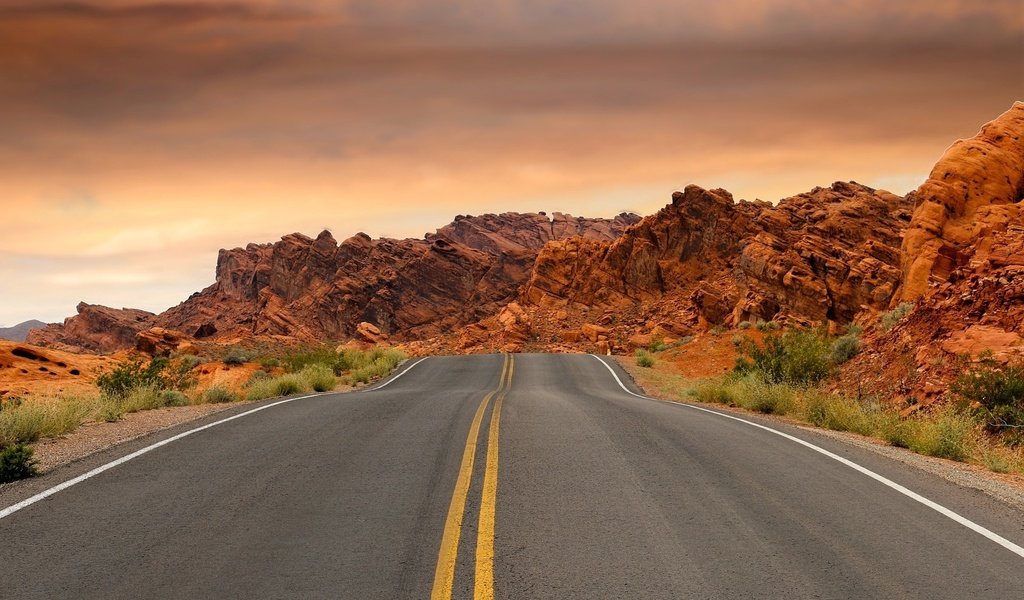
<point x="157" y="13"/>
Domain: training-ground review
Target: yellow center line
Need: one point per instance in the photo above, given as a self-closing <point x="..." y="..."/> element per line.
<point x="444" y="573"/>
<point x="484" y="576"/>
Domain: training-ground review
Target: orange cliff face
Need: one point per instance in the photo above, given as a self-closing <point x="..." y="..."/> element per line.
<point x="827" y="256"/>
<point x="971" y="198"/>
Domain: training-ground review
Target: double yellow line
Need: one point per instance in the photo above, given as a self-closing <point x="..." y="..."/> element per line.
<point x="444" y="573"/>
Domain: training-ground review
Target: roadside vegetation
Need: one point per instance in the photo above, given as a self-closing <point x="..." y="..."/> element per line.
<point x="135" y="385"/>
<point x="785" y="374"/>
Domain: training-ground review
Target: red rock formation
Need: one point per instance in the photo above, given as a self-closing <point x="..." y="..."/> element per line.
<point x="319" y="289"/>
<point x="824" y="256"/>
<point x="973" y="192"/>
<point x="95" y="329"/>
<point x="157" y="341"/>
<point x="827" y="255"/>
<point x="963" y="266"/>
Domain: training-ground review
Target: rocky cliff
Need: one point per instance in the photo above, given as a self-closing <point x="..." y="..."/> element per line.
<point x="831" y="255"/>
<point x="971" y="197"/>
<point x="963" y="269"/>
<point x="95" y="328"/>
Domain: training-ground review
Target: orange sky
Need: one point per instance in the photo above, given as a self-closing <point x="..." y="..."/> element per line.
<point x="137" y="138"/>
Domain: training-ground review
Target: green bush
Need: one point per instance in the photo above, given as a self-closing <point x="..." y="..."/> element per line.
<point x="800" y="357"/>
<point x="261" y="389"/>
<point x="714" y="391"/>
<point x="948" y="433"/>
<point x="766" y="325"/>
<point x="998" y="392"/>
<point x="325" y="355"/>
<point x="218" y="395"/>
<point x="894" y="316"/>
<point x="45" y="418"/>
<point x="319" y="377"/>
<point x="286" y="385"/>
<point x="745" y="325"/>
<point x="768" y="398"/>
<point x="845" y="347"/>
<point x="173" y="398"/>
<point x="236" y="356"/>
<point x="644" y="358"/>
<point x="132" y="374"/>
<point x="16" y="463"/>
<point x="896" y="430"/>
<point x="836" y="412"/>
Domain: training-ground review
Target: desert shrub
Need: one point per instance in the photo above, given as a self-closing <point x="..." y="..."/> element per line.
<point x="319" y="377"/>
<point x="799" y="357"/>
<point x="269" y="362"/>
<point x="113" y="407"/>
<point x="218" y="395"/>
<point x="289" y="384"/>
<point x="644" y="358"/>
<point x="173" y="398"/>
<point x="325" y="355"/>
<point x="717" y="330"/>
<point x="896" y="430"/>
<point x="35" y="419"/>
<point x="997" y="392"/>
<point x="237" y="356"/>
<point x="132" y="374"/>
<point x="745" y="325"/>
<point x="894" y="316"/>
<point x="16" y="463"/>
<point x="769" y="398"/>
<point x="766" y="325"/>
<point x="257" y="377"/>
<point x="948" y="433"/>
<point x="839" y="413"/>
<point x="657" y="345"/>
<point x="715" y="391"/>
<point x="845" y="347"/>
<point x="261" y="389"/>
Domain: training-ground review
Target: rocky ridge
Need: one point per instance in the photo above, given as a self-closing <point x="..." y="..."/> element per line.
<point x="308" y="289"/>
<point x="830" y="255"/>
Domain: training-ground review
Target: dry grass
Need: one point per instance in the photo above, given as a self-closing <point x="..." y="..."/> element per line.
<point x="945" y="432"/>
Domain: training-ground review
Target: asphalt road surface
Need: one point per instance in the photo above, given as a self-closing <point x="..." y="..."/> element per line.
<point x="507" y="476"/>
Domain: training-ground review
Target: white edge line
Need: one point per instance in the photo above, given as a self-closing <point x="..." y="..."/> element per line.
<point x="10" y="510"/>
<point x="390" y="381"/>
<point x="995" y="537"/>
<point x="110" y="465"/>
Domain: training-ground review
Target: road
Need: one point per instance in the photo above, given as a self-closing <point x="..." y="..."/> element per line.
<point x="512" y="476"/>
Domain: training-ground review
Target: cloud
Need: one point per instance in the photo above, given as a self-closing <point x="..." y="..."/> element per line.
<point x="164" y="14"/>
<point x="181" y="127"/>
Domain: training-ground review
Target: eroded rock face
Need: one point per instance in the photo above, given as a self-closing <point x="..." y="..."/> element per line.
<point x="963" y="267"/>
<point x="404" y="289"/>
<point x="972" y="194"/>
<point x="825" y="256"/>
<point x="94" y="329"/>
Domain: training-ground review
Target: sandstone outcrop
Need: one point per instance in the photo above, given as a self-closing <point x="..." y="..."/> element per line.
<point x="157" y="341"/>
<point x="972" y="194"/>
<point x="95" y="328"/>
<point x="27" y="370"/>
<point x="317" y="289"/>
<point x="826" y="256"/>
<point x="963" y="269"/>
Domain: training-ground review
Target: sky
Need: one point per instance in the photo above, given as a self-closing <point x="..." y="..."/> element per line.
<point x="138" y="138"/>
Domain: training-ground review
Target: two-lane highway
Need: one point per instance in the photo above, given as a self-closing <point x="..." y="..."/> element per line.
<point x="525" y="476"/>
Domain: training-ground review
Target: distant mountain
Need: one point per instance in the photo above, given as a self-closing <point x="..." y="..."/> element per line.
<point x="19" y="331"/>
